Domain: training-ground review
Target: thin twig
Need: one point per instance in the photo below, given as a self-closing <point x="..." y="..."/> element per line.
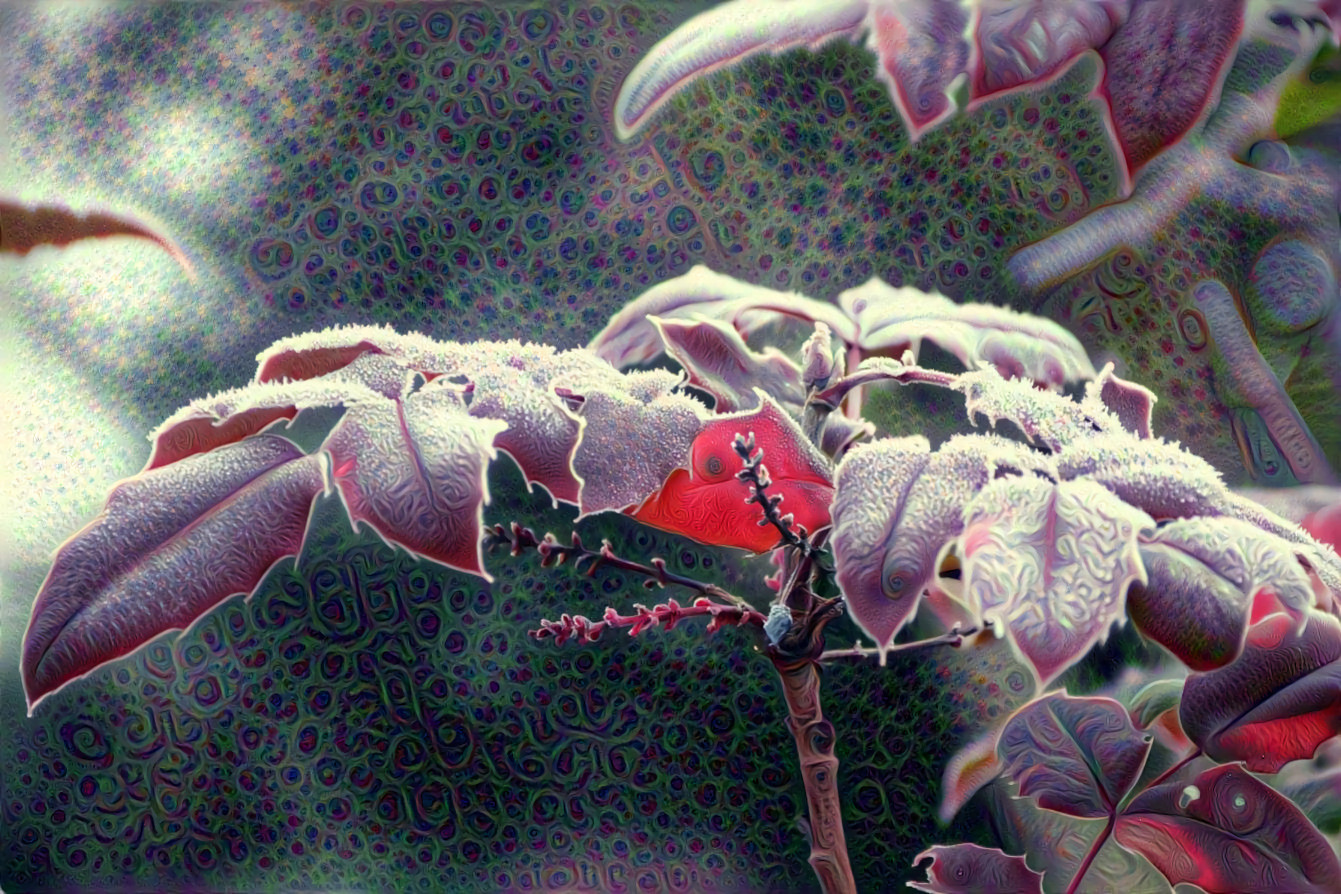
<point x="552" y="552"/>
<point x="954" y="639"/>
<point x="666" y="616"/>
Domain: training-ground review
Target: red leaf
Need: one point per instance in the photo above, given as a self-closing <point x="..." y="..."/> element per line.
<point x="972" y="869"/>
<point x="1228" y="833"/>
<point x="1277" y="703"/>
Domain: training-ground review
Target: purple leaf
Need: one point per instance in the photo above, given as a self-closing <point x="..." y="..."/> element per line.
<point x="415" y="470"/>
<point x="1049" y="565"/>
<point x="1277" y="703"/>
<point x="1078" y="756"/>
<point x="1203" y="577"/>
<point x="170" y="544"/>
<point x="717" y="360"/>
<point x="896" y="507"/>
<point x="890" y="320"/>
<point x="1131" y="403"/>
<point x="921" y="49"/>
<point x="972" y="869"/>
<point x="1227" y="833"/>
<point x="1024" y="42"/>
<point x="1163" y="69"/>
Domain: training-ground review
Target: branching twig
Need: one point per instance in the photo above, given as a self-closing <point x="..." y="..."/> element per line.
<point x="954" y="639"/>
<point x="552" y="552"/>
<point x="667" y="616"/>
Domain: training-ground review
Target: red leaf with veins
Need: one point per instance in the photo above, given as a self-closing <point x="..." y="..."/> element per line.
<point x="1227" y="832"/>
<point x="1277" y="703"/>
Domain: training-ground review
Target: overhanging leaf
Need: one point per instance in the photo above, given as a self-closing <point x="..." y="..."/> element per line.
<point x="717" y="360"/>
<point x="170" y="544"/>
<point x="896" y="508"/>
<point x="1077" y="756"/>
<point x="1228" y="833"/>
<point x="1278" y="702"/>
<point x="890" y="319"/>
<point x="1049" y="565"/>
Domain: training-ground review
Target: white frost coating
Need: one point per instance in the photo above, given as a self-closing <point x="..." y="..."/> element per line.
<point x="1049" y="565"/>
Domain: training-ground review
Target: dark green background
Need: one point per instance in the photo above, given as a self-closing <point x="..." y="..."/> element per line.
<point x="366" y="722"/>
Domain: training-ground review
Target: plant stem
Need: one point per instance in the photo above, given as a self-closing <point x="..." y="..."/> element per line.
<point x="1193" y="755"/>
<point x="1093" y="852"/>
<point x="795" y="660"/>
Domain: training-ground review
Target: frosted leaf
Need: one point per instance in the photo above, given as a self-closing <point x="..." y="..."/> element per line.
<point x="630" y="337"/>
<point x="232" y="415"/>
<point x="416" y="472"/>
<point x="631" y="439"/>
<point x="1131" y="403"/>
<point x="1046" y="418"/>
<point x="1153" y="475"/>
<point x="1049" y="565"/>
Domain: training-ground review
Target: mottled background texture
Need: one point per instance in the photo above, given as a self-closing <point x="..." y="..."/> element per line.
<point x="366" y="722"/>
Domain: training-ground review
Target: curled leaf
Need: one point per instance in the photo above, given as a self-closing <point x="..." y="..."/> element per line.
<point x="1077" y="756"/>
<point x="1227" y="833"/>
<point x="973" y="869"/>
<point x="170" y="544"/>
<point x="1049" y="565"/>
<point x="1278" y="702"/>
<point x="1203" y="577"/>
<point x="717" y="360"/>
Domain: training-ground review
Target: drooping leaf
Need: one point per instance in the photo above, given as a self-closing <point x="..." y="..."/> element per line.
<point x="725" y="36"/>
<point x="705" y="500"/>
<point x="1049" y="565"/>
<point x="1017" y="345"/>
<point x="170" y="544"/>
<point x="26" y="227"/>
<point x="973" y="869"/>
<point x="717" y="360"/>
<point x="972" y="766"/>
<point x="1227" y="832"/>
<point x="896" y="508"/>
<point x="1203" y="577"/>
<point x="1078" y="756"/>
<point x="1155" y="708"/>
<point x="1278" y="702"/>
<point x="416" y="471"/>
